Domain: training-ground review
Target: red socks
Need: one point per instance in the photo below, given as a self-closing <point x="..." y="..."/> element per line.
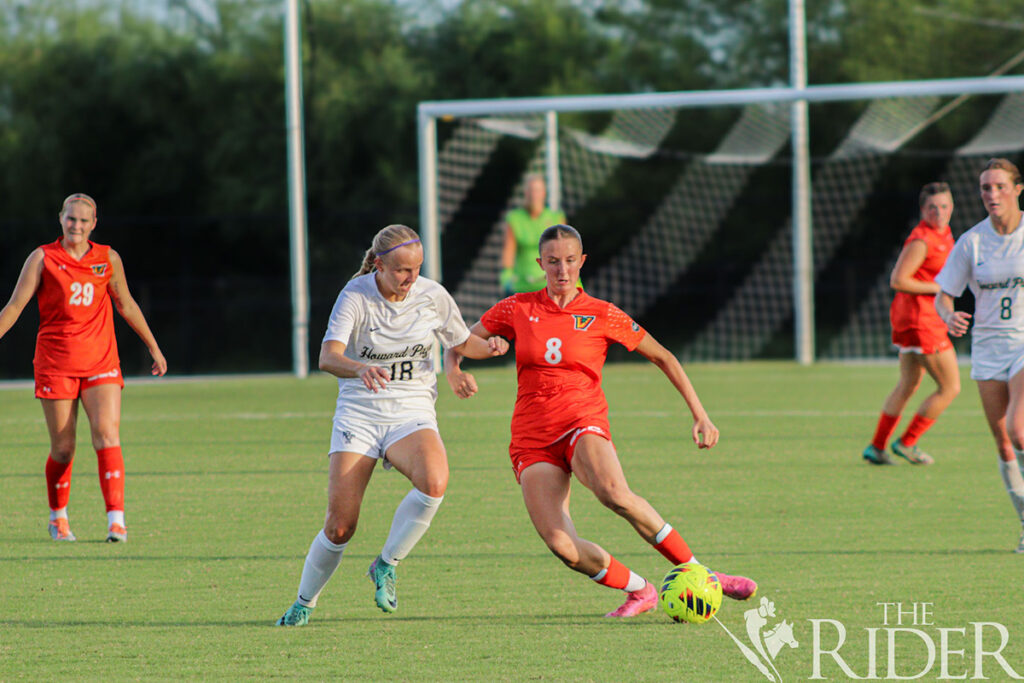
<point x="111" y="470"/>
<point x="58" y="483"/>
<point x="615" y="576"/>
<point x="886" y="425"/>
<point x="918" y="426"/>
<point x="673" y="547"/>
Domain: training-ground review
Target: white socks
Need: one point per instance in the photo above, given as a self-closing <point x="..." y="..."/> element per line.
<point x="321" y="561"/>
<point x="1014" y="482"/>
<point x="411" y="521"/>
<point x="412" y="518"/>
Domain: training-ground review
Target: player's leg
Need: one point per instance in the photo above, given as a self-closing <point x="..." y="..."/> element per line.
<point x="546" y="495"/>
<point x="942" y="367"/>
<point x="422" y="458"/>
<point x="911" y="373"/>
<point x="61" y="421"/>
<point x="597" y="466"/>
<point x="102" y="404"/>
<point x="348" y="476"/>
<point x="1015" y="428"/>
<point x="995" y="400"/>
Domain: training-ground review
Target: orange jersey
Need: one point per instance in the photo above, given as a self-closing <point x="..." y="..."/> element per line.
<point x="917" y="311"/>
<point x="76" y="320"/>
<point x="560" y="353"/>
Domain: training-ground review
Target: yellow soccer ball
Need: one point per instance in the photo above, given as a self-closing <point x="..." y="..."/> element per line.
<point x="690" y="593"/>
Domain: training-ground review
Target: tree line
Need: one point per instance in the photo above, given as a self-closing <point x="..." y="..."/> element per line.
<point x="177" y="128"/>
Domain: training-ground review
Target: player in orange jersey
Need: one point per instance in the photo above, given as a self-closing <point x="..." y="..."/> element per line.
<point x="918" y="332"/>
<point x="560" y="422"/>
<point x="76" y="358"/>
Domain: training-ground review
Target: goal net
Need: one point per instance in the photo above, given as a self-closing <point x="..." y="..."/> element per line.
<point x="686" y="213"/>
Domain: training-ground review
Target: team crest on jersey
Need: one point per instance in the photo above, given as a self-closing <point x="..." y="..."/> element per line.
<point x="582" y="322"/>
<point x="99" y="269"/>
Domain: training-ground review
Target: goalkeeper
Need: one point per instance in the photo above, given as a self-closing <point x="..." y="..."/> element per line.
<point x="523" y="227"/>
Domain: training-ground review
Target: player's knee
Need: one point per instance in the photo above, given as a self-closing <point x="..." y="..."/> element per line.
<point x="905" y="390"/>
<point x="339" y="532"/>
<point x="62" y="451"/>
<point x="106" y="435"/>
<point x="435" y="486"/>
<point x="617" y="498"/>
<point x="562" y="547"/>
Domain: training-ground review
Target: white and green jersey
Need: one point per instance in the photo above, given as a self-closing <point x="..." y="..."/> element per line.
<point x="992" y="265"/>
<point x="399" y="336"/>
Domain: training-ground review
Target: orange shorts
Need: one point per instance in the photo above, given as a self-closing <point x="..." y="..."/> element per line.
<point x="923" y="341"/>
<point x="60" y="386"/>
<point x="558" y="454"/>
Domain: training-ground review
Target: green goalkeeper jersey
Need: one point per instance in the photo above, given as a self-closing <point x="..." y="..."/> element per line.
<point x="527" y="231"/>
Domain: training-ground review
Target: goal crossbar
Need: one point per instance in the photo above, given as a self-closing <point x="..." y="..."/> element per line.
<point x="712" y="98"/>
<point x="429" y="112"/>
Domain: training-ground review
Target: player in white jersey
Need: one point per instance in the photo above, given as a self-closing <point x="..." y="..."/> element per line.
<point x="380" y="344"/>
<point x="989" y="258"/>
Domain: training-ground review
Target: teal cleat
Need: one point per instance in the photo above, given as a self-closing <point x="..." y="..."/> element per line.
<point x="876" y="457"/>
<point x="912" y="454"/>
<point x="383" y="576"/>
<point x="297" y="615"/>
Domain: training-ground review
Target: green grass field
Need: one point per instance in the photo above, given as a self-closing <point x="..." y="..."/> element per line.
<point x="226" y="488"/>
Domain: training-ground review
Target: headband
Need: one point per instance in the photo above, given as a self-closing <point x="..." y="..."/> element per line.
<point x="79" y="197"/>
<point x="412" y="241"/>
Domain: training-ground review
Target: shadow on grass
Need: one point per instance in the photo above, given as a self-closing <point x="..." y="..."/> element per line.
<point x="496" y="620"/>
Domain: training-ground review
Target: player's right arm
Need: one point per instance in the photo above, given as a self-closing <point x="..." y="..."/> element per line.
<point x="956" y="321"/>
<point x="952" y="280"/>
<point x="334" y="361"/>
<point x="908" y="263"/>
<point x="462" y="383"/>
<point x="24" y="290"/>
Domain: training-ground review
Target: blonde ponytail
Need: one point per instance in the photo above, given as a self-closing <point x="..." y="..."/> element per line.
<point x="389" y="238"/>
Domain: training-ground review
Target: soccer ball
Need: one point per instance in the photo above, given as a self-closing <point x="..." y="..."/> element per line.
<point x="690" y="593"/>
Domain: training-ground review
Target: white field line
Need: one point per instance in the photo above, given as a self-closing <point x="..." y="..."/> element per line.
<point x="478" y="414"/>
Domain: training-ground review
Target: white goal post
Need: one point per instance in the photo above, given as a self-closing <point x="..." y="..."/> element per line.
<point x="549" y="108"/>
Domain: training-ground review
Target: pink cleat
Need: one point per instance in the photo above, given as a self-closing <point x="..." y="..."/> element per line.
<point x="737" y="587"/>
<point x="637" y="602"/>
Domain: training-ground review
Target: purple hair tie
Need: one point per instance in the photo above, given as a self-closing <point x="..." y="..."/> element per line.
<point x="412" y="241"/>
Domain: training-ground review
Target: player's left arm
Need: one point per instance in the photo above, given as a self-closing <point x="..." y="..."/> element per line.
<point x="130" y="311"/>
<point x="704" y="432"/>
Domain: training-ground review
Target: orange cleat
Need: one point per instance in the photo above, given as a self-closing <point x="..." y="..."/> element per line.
<point x="60" y="530"/>
<point x="117" y="534"/>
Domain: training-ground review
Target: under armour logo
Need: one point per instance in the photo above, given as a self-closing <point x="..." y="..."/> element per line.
<point x="534" y="319"/>
<point x="115" y="474"/>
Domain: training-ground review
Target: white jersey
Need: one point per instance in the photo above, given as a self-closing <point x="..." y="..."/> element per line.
<point x="399" y="336"/>
<point x="992" y="265"/>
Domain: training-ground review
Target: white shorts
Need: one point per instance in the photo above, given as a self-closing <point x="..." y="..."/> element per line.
<point x="996" y="359"/>
<point x="371" y="439"/>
